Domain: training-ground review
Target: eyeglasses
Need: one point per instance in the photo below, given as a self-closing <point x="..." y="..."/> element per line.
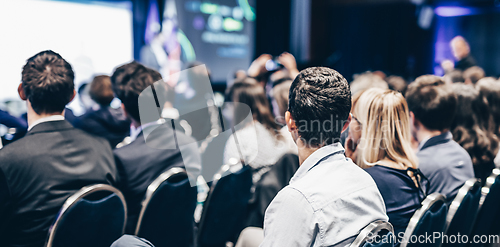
<point x="357" y="120"/>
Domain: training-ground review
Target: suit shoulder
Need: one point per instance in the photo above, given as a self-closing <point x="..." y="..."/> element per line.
<point x="90" y="138"/>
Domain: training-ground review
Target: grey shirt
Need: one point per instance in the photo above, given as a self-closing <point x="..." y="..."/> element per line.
<point x="328" y="201"/>
<point x="446" y="164"/>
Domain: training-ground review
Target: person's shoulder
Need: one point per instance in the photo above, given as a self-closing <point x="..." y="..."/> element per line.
<point x="89" y="138"/>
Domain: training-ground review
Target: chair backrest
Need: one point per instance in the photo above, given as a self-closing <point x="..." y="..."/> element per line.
<point x="93" y="216"/>
<point x="167" y="213"/>
<point x="429" y="218"/>
<point x="226" y="207"/>
<point x="463" y="210"/>
<point x="377" y="234"/>
<point x="488" y="216"/>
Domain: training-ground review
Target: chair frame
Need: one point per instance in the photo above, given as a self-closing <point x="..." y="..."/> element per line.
<point x="217" y="176"/>
<point x="455" y="205"/>
<point x="428" y="202"/>
<point x="489" y="182"/>
<point x="152" y="189"/>
<point x="373" y="227"/>
<point x="215" y="179"/>
<point x="83" y="192"/>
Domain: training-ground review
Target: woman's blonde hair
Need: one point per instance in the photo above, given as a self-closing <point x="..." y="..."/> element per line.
<point x="386" y="133"/>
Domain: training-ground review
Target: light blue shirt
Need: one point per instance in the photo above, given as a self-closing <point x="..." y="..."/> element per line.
<point x="328" y="201"/>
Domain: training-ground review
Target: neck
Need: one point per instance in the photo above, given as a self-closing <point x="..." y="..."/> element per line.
<point x="304" y="151"/>
<point x="33" y="116"/>
<point x="424" y="134"/>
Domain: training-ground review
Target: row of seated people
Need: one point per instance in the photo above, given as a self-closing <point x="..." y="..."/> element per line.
<point x="221" y="219"/>
<point x="40" y="159"/>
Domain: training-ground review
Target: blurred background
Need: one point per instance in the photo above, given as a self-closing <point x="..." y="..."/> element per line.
<point x="407" y="38"/>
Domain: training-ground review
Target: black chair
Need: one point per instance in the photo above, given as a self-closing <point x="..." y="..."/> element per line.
<point x="376" y="234"/>
<point x="94" y="216"/>
<point x="429" y="218"/>
<point x="224" y="212"/>
<point x="488" y="217"/>
<point x="167" y="214"/>
<point x="463" y="210"/>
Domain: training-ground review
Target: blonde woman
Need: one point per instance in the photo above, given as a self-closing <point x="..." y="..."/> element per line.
<point x="384" y="150"/>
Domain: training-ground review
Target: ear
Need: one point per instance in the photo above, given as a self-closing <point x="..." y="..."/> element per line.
<point x="73" y="96"/>
<point x="20" y="91"/>
<point x="346" y="124"/>
<point x="413" y="120"/>
<point x="290" y="122"/>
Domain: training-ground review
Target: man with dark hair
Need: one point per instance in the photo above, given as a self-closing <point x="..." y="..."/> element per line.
<point x="147" y="156"/>
<point x="443" y="161"/>
<point x="105" y="121"/>
<point x="53" y="161"/>
<point x="329" y="199"/>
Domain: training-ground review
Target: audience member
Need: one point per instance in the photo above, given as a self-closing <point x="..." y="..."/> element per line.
<point x="106" y="122"/>
<point x="365" y="81"/>
<point x="461" y="52"/>
<point x="473" y="74"/>
<point x="329" y="199"/>
<point x="261" y="140"/>
<point x="489" y="90"/>
<point x="53" y="161"/>
<point x="473" y="129"/>
<point x="443" y="161"/>
<point x="454" y="76"/>
<point x="19" y="124"/>
<point x="397" y="83"/>
<point x="359" y="115"/>
<point x="138" y="163"/>
<point x="387" y="154"/>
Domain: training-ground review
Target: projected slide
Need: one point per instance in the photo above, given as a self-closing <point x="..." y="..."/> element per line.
<point x="93" y="38"/>
<point x="218" y="33"/>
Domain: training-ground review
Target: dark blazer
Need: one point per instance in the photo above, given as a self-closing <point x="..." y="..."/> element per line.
<point x="446" y="164"/>
<point x="465" y="63"/>
<point x="140" y="163"/>
<point x="40" y="171"/>
<point x="106" y="122"/>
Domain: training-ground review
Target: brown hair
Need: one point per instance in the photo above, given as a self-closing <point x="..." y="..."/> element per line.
<point x="253" y="95"/>
<point x="473" y="125"/>
<point x="101" y="90"/>
<point x="432" y="102"/>
<point x="47" y="81"/>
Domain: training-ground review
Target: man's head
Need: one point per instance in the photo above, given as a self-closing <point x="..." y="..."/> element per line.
<point x="431" y="102"/>
<point x="129" y="81"/>
<point x="319" y="106"/>
<point x="473" y="74"/>
<point x="101" y="90"/>
<point x="460" y="47"/>
<point x="47" y="83"/>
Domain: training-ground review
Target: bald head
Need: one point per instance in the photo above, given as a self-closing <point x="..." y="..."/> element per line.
<point x="460" y="47"/>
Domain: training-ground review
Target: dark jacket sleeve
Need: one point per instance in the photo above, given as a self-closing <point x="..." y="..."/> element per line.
<point x="5" y="198"/>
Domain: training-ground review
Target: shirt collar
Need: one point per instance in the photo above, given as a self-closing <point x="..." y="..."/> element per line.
<point x="134" y="132"/>
<point x="316" y="157"/>
<point x="444" y="137"/>
<point x="46" y="119"/>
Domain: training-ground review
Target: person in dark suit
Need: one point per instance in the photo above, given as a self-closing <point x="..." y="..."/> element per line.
<point x="156" y="145"/>
<point x="461" y="51"/>
<point x="105" y="122"/>
<point x="19" y="124"/>
<point x="443" y="161"/>
<point x="53" y="161"/>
